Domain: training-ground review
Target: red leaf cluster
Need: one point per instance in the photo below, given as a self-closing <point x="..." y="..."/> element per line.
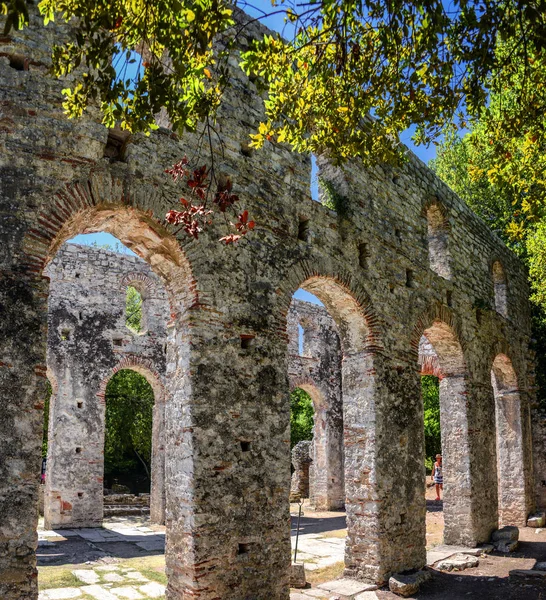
<point x="223" y="197"/>
<point x="243" y="226"/>
<point x="194" y="218"/>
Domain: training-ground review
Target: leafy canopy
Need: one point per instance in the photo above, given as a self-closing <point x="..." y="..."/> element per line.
<point x="352" y="76"/>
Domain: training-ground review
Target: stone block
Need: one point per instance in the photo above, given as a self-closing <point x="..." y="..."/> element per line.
<point x="407" y="585"/>
<point x="506" y="546"/>
<point x="297" y="575"/>
<point x="536" y="520"/>
<point x="508" y="533"/>
<point x="458" y="562"/>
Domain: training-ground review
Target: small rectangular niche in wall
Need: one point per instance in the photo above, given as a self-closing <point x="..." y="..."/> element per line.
<point x="245" y="446"/>
<point x="78" y="450"/>
<point x="243" y="549"/>
<point x="247" y="341"/>
<point x="65" y="334"/>
<point x="80" y="404"/>
<point x="117" y="342"/>
<point x="363" y="255"/>
<point x="409" y="278"/>
<point x="303" y="229"/>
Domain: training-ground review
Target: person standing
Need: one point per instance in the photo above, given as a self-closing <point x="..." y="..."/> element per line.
<point x="437" y="476"/>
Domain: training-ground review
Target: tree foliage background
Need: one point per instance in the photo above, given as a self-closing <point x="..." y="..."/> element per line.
<point x="431" y="401"/>
<point x="128" y="435"/>
<point x="301" y="417"/>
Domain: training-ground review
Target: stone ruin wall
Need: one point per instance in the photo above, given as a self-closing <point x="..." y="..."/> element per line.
<point x="88" y="341"/>
<point x="406" y="258"/>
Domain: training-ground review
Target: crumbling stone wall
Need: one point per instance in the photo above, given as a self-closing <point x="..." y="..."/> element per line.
<point x="317" y="370"/>
<point x="227" y="410"/>
<point x="88" y="341"/>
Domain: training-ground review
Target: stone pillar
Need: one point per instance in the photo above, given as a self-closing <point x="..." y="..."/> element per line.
<point x="157" y="487"/>
<point x="384" y="467"/>
<point x="301" y="461"/>
<point x="75" y="463"/>
<point x="510" y="460"/>
<point x="22" y="395"/>
<point x="227" y="466"/>
<point x="457" y="496"/>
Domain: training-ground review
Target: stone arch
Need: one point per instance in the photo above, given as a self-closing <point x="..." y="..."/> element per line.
<point x="500" y="287"/>
<point x="144" y="367"/>
<point x="366" y="556"/>
<point x="438" y="348"/>
<point x="343" y="296"/>
<point x="438" y="238"/>
<point x="510" y="443"/>
<point x="104" y="203"/>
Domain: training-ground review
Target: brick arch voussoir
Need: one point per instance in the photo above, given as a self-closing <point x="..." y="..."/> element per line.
<point x="78" y="201"/>
<point x="435" y="313"/>
<point x="319" y="269"/>
<point x="141" y="281"/>
<point x="307" y="384"/>
<point x="143" y="366"/>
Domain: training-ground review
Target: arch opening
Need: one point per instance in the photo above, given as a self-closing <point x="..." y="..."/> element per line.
<point x="336" y="372"/>
<point x="441" y="356"/>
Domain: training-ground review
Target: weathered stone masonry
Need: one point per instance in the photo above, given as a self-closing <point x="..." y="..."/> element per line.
<point x="88" y="341"/>
<point x="227" y="410"/>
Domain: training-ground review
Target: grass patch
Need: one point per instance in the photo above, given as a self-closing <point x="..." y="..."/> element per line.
<point x="325" y="574"/>
<point x="57" y="577"/>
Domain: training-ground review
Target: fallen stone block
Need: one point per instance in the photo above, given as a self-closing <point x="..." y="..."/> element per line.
<point x="297" y="576"/>
<point x="508" y="533"/>
<point x="536" y="520"/>
<point x="506" y="546"/>
<point x="458" y="562"/>
<point x="407" y="585"/>
<point x="528" y="574"/>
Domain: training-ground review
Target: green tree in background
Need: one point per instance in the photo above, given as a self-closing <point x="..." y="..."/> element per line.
<point x="301" y="416"/>
<point x="133" y="309"/>
<point x="431" y="403"/>
<point x="128" y="438"/>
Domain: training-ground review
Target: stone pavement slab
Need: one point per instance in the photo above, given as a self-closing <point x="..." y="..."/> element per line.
<point x="127" y="592"/>
<point x="60" y="594"/>
<point x="152" y="590"/>
<point x="86" y="575"/>
<point x="346" y="587"/>
<point x="98" y="592"/>
<point x="442" y="552"/>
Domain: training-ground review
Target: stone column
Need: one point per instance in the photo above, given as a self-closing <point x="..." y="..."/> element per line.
<point x="75" y="463"/>
<point x="384" y="467"/>
<point x="457" y="496"/>
<point x="227" y="466"/>
<point x="157" y="488"/>
<point x="22" y="395"/>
